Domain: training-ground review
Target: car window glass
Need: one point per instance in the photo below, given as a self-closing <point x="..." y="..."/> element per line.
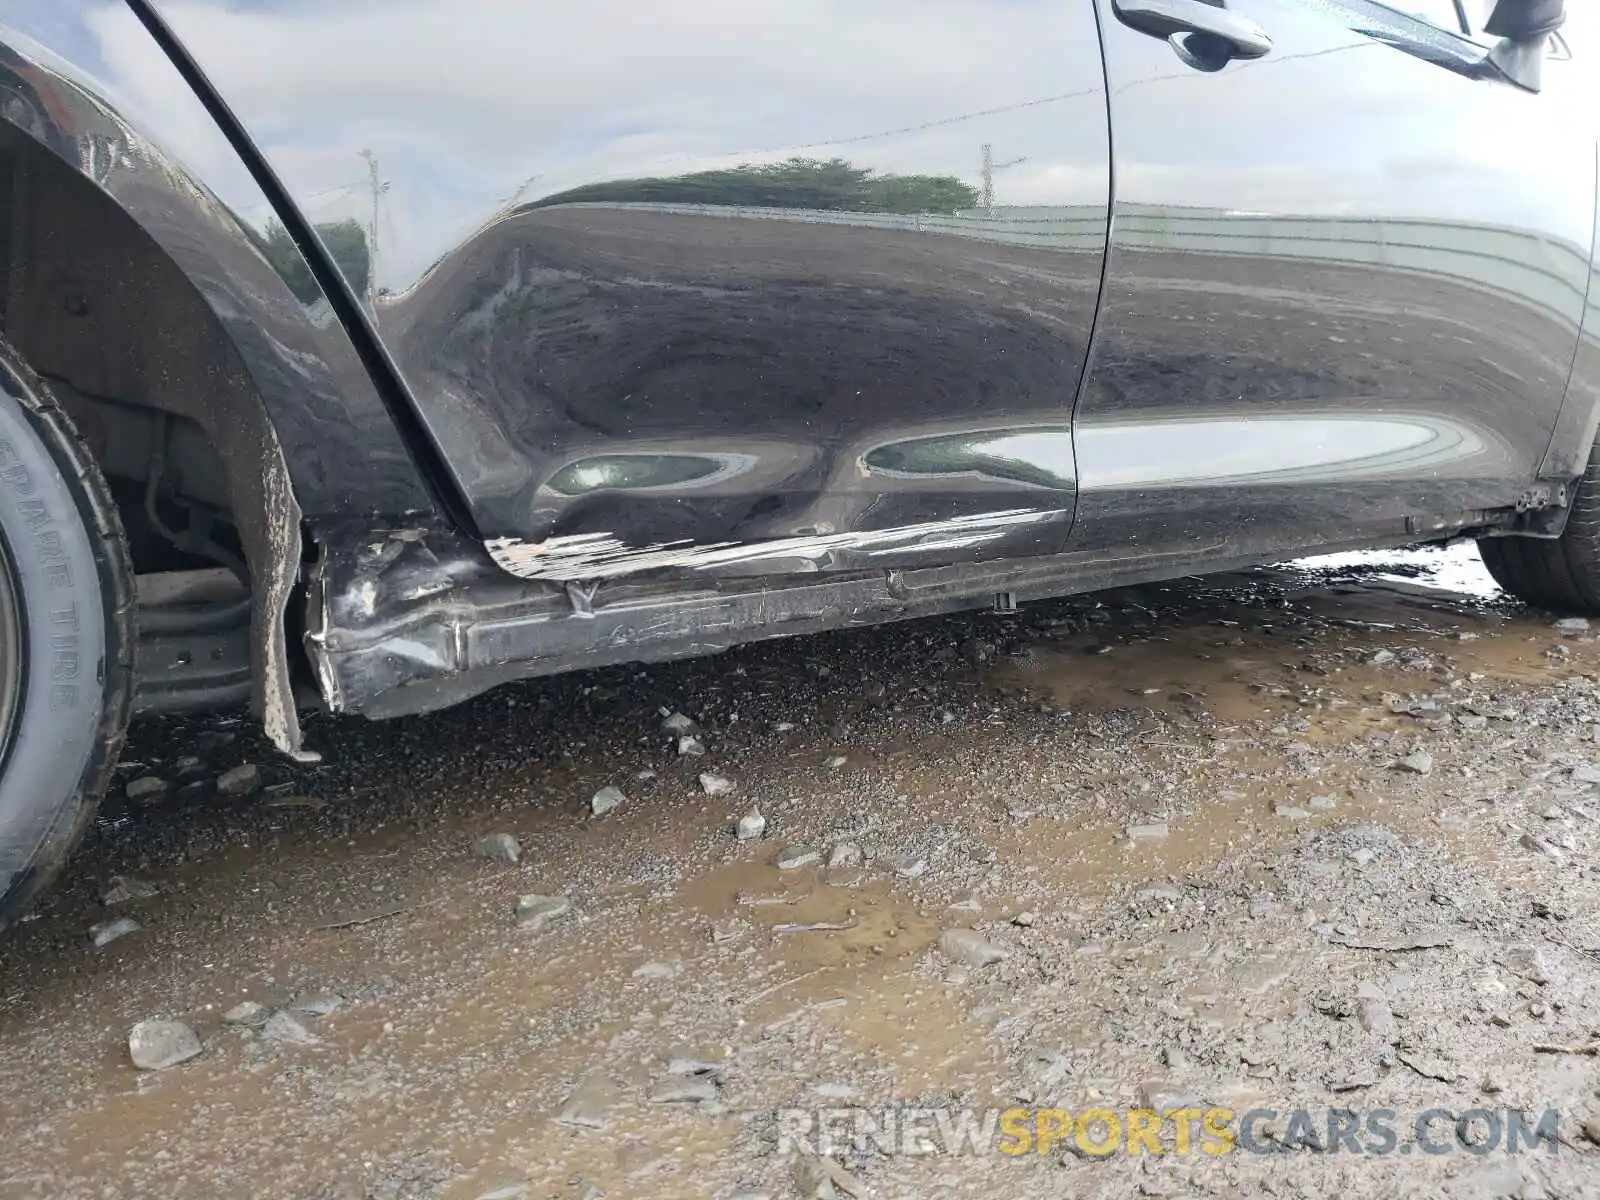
<point x="1441" y="14"/>
<point x="1414" y="35"/>
<point x="1465" y="17"/>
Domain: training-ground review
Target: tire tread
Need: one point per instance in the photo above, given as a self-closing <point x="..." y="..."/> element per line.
<point x="113" y="561"/>
<point x="1561" y="574"/>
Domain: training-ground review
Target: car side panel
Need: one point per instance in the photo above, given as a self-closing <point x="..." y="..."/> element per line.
<point x="1343" y="294"/>
<point x="709" y="287"/>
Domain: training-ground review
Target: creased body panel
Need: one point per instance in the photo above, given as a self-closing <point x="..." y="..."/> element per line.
<point x="706" y="276"/>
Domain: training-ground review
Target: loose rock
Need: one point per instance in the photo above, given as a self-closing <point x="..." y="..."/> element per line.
<point x="1357" y="1080"/>
<point x="844" y="854"/>
<point x="286" y="1028"/>
<point x="751" y="826"/>
<point x="701" y="1067"/>
<point x="1375" y="1016"/>
<point x="588" y="1105"/>
<point x="678" y="725"/>
<point x="690" y="746"/>
<point x="290" y="800"/>
<point x="189" y="766"/>
<point x="607" y="799"/>
<point x="1147" y="833"/>
<point x="103" y="933"/>
<point x="319" y="1004"/>
<point x="1532" y="841"/>
<point x="145" y="788"/>
<point x="820" y="1178"/>
<point x="907" y="866"/>
<point x="498" y="847"/>
<point x="1420" y="763"/>
<point x="1429" y="1066"/>
<point x="1529" y="962"/>
<point x="241" y="781"/>
<point x="247" y="1012"/>
<point x="155" y="1045"/>
<point x="965" y="946"/>
<point x="716" y="785"/>
<point x="693" y="1090"/>
<point x="124" y="889"/>
<point x="534" y="911"/>
<point x="792" y="858"/>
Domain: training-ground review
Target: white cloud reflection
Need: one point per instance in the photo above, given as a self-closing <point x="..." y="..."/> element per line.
<point x="468" y="104"/>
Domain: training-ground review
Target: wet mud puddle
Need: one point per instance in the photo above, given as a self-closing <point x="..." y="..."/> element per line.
<point x="1186" y="829"/>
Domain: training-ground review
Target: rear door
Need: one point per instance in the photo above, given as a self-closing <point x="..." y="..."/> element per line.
<point x="1345" y="282"/>
<point x="710" y="286"/>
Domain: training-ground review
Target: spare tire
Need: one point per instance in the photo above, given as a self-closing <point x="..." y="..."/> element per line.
<point x="66" y="636"/>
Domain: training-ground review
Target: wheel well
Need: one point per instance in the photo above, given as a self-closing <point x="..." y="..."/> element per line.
<point x="119" y="333"/>
<point x="144" y="367"/>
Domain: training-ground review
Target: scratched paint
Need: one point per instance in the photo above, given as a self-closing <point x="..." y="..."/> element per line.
<point x="582" y="556"/>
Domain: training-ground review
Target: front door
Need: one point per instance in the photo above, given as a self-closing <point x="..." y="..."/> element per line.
<point x="1345" y="281"/>
<point x="709" y="287"/>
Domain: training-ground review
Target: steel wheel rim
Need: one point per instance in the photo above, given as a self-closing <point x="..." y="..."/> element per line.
<point x="11" y="652"/>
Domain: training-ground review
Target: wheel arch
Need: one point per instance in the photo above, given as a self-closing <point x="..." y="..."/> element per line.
<point x="126" y="280"/>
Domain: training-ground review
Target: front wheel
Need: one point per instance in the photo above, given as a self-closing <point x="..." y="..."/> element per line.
<point x="66" y="636"/>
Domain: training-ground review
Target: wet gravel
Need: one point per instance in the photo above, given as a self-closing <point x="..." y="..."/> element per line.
<point x="1308" y="838"/>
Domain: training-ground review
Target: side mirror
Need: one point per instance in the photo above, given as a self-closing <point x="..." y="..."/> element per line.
<point x="1525" y="20"/>
<point x="1523" y="27"/>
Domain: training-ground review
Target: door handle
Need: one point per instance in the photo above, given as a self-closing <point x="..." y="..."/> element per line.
<point x="1168" y="18"/>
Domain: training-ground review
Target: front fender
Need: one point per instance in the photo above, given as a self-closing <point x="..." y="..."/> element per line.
<point x="284" y="396"/>
<point x="173" y="170"/>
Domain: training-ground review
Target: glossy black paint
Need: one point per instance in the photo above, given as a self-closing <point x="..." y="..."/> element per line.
<point x="641" y="332"/>
<point x="1345" y="283"/>
<point x="819" y="295"/>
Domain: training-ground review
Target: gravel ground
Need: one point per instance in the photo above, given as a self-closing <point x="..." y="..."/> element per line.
<point x="1298" y="839"/>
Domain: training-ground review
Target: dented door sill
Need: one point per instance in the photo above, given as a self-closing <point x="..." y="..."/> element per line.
<point x="585" y="556"/>
<point x="418" y="622"/>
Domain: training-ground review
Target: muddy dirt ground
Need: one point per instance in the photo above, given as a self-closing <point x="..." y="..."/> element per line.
<point x="1308" y="838"/>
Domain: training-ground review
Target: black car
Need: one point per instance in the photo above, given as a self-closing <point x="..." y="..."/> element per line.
<point x="377" y="354"/>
